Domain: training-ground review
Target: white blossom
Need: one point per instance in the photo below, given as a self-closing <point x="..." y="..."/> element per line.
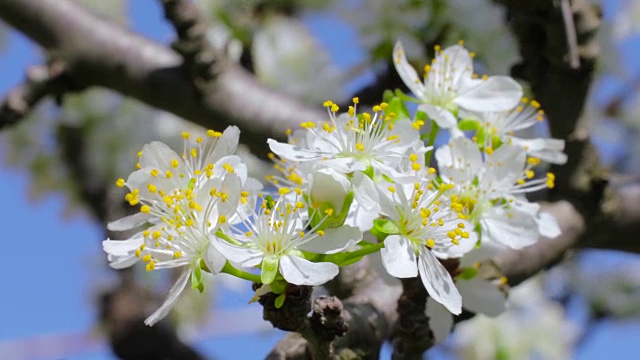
<point x="274" y="240"/>
<point x="449" y="84"/>
<point x="186" y="197"/>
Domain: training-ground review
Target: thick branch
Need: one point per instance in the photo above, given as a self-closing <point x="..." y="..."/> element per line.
<point x="100" y="53"/>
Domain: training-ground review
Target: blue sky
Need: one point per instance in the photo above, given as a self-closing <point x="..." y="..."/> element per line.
<point x="52" y="265"/>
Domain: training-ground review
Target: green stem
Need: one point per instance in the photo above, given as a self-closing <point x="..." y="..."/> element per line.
<point x="432" y="140"/>
<point x="229" y="269"/>
<point x="226" y="237"/>
<point x="341" y="258"/>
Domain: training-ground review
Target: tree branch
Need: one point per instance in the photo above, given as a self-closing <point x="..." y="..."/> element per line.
<point x="99" y="53"/>
<point x="41" y="81"/>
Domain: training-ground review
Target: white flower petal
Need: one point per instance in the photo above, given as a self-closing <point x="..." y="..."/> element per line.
<point x="550" y="150"/>
<point x="129" y="222"/>
<point x="407" y="73"/>
<point x="498" y="93"/>
<point x="481" y="296"/>
<point x="547" y="225"/>
<point x="440" y="320"/>
<point x="225" y="145"/>
<point x="327" y="185"/>
<point x="157" y="155"/>
<point x="454" y="63"/>
<point x="513" y="228"/>
<point x="398" y="257"/>
<point x="214" y="259"/>
<point x="242" y="256"/>
<point x="121" y="262"/>
<point x="438" y="282"/>
<point x="365" y="191"/>
<point x="460" y="161"/>
<point x="503" y="168"/>
<point x="173" y="296"/>
<point x="299" y="271"/>
<point x="333" y="241"/>
<point x="121" y="247"/>
<point x="443" y="117"/>
<point x="293" y="152"/>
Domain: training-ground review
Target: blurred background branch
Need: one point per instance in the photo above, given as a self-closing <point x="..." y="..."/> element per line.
<point x="210" y="86"/>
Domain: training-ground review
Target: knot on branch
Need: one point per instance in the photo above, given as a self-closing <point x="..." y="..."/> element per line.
<point x="292" y="315"/>
<point x="327" y="319"/>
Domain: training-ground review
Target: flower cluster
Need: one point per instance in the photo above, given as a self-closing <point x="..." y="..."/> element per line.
<point x="354" y="172"/>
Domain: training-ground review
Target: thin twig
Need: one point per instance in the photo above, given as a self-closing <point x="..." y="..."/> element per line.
<point x="572" y="37"/>
<point x="41" y="81"/>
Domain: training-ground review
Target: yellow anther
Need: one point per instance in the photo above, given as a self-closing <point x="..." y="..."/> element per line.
<point x="308" y="125"/>
<point x="299" y="205"/>
<point x="535" y="104"/>
<point x="533" y="161"/>
<point x="520" y="181"/>
<point x="377" y="108"/>
<point x="432" y="171"/>
<point x="145" y="209"/>
<point x="430" y="243"/>
<point x="150" y="266"/>
<point x="228" y="168"/>
<point x="146" y="233"/>
<point x="413" y="157"/>
<point x="146" y="258"/>
<point x="327" y="103"/>
<point x="359" y="146"/>
<point x="156" y="235"/>
<point x="222" y="219"/>
<point x="320" y="233"/>
<point x="391" y="189"/>
<point x="185" y="135"/>
<point x="194" y="152"/>
<point x="488" y="150"/>
<point x="139" y="154"/>
<point x="138" y="253"/>
<point x="334" y="108"/>
<point x="154" y="172"/>
<point x="120" y="182"/>
<point x="329" y="211"/>
<point x="175" y="163"/>
<point x="415" y="166"/>
<point x="529" y="174"/>
<point x="248" y="233"/>
<point x="284" y="191"/>
<point x="504" y="280"/>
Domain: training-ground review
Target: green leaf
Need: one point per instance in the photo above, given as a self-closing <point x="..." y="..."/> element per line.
<point x="467" y="274"/>
<point x="386" y="226"/>
<point x="269" y="202"/>
<point x="397" y="107"/>
<point x="280" y="300"/>
<point x="269" y="269"/>
<point x="196" y="278"/>
<point x="387" y="96"/>
<point x="468" y="125"/>
<point x="278" y="286"/>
